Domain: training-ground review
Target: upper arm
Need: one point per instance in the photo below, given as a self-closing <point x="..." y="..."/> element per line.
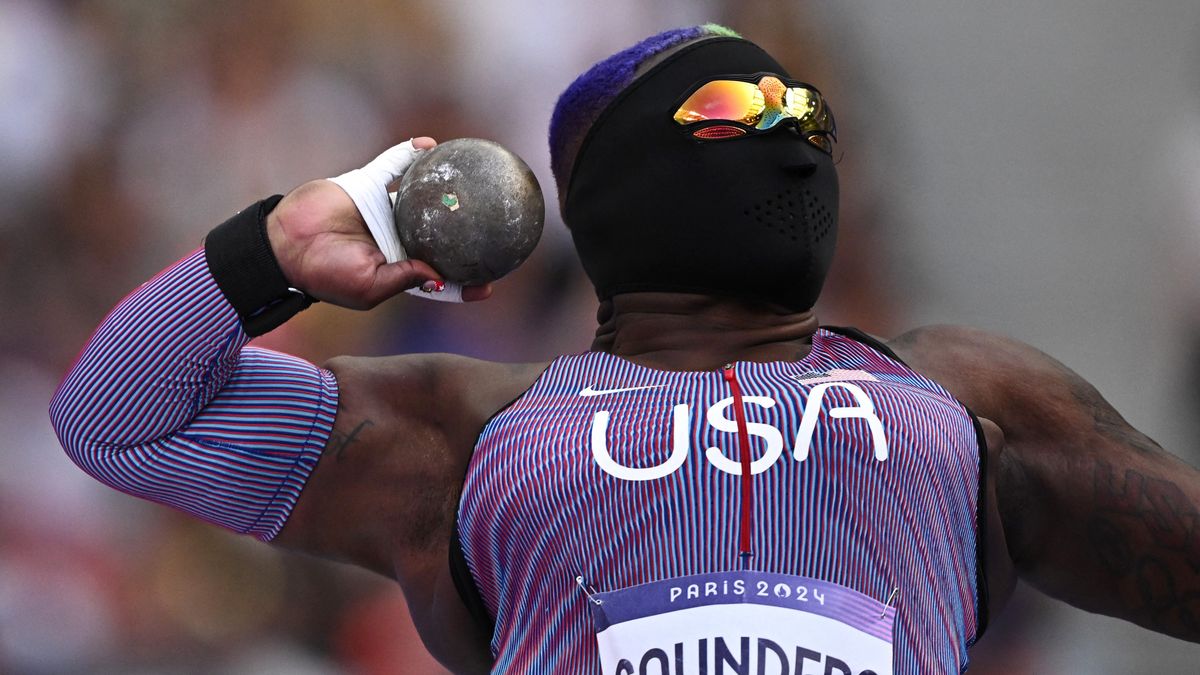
<point x="1094" y="511"/>
<point x="381" y="452"/>
<point x="1043" y="407"/>
<point x="385" y="493"/>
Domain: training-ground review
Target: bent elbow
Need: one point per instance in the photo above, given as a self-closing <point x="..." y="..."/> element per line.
<point x="76" y="420"/>
<point x="69" y="421"/>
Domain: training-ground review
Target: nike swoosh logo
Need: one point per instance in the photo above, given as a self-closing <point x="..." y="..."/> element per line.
<point x="588" y="391"/>
<point x="834" y="375"/>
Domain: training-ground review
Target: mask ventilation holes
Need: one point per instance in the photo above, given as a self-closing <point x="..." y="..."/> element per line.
<point x="818" y="214"/>
<point x="780" y="214"/>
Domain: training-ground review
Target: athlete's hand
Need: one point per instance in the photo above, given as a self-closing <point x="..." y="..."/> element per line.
<point x="324" y="249"/>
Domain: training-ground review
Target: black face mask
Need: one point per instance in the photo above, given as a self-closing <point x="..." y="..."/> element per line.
<point x="653" y="209"/>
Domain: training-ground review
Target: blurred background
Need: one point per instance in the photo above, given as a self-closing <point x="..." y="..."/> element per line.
<point x="1030" y="168"/>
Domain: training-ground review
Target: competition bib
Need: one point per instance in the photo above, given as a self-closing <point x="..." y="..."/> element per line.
<point x="742" y="622"/>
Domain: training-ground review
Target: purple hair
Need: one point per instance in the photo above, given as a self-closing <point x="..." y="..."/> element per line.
<point x="582" y="102"/>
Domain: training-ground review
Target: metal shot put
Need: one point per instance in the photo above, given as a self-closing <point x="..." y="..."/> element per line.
<point x="471" y="209"/>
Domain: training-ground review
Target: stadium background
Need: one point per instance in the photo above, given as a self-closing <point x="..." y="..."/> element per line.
<point x="1030" y="168"/>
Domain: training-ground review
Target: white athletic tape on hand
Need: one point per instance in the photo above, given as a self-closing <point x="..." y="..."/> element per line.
<point x="367" y="187"/>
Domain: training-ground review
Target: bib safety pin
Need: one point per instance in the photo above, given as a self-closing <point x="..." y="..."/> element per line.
<point x="588" y="590"/>
<point x="888" y="603"/>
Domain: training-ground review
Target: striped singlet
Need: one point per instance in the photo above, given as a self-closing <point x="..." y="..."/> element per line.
<point x="585" y="476"/>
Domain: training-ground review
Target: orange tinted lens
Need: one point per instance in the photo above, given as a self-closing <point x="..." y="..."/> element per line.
<point x="722" y="100"/>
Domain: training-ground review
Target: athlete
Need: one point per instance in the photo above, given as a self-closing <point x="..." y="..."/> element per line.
<point x="718" y="483"/>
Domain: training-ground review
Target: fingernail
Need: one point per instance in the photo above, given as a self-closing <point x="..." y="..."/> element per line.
<point x="433" y="286"/>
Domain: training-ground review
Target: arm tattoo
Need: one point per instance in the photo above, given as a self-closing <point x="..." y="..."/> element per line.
<point x="1144" y="532"/>
<point x="339" y="441"/>
<point x="1144" y="529"/>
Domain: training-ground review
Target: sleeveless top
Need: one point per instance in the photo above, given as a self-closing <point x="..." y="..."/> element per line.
<point x="623" y="475"/>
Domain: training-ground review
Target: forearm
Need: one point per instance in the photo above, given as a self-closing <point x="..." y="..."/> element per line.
<point x="1119" y="534"/>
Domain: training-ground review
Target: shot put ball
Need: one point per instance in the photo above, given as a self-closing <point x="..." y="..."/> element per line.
<point x="470" y="208"/>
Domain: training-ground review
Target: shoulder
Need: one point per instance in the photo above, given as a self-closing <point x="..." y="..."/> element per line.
<point x="980" y="352"/>
<point x="389" y="476"/>
<point x="425" y="369"/>
<point x="434" y="385"/>
<point x="999" y="377"/>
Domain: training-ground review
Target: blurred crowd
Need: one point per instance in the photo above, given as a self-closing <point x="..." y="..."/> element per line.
<point x="128" y="129"/>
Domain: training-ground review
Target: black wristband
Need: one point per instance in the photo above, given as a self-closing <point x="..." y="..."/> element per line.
<point x="240" y="258"/>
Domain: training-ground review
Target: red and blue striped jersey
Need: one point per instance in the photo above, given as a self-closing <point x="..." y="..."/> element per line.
<point x="166" y="402"/>
<point x="864" y="474"/>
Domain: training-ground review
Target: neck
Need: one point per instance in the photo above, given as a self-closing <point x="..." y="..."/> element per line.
<point x="682" y="331"/>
